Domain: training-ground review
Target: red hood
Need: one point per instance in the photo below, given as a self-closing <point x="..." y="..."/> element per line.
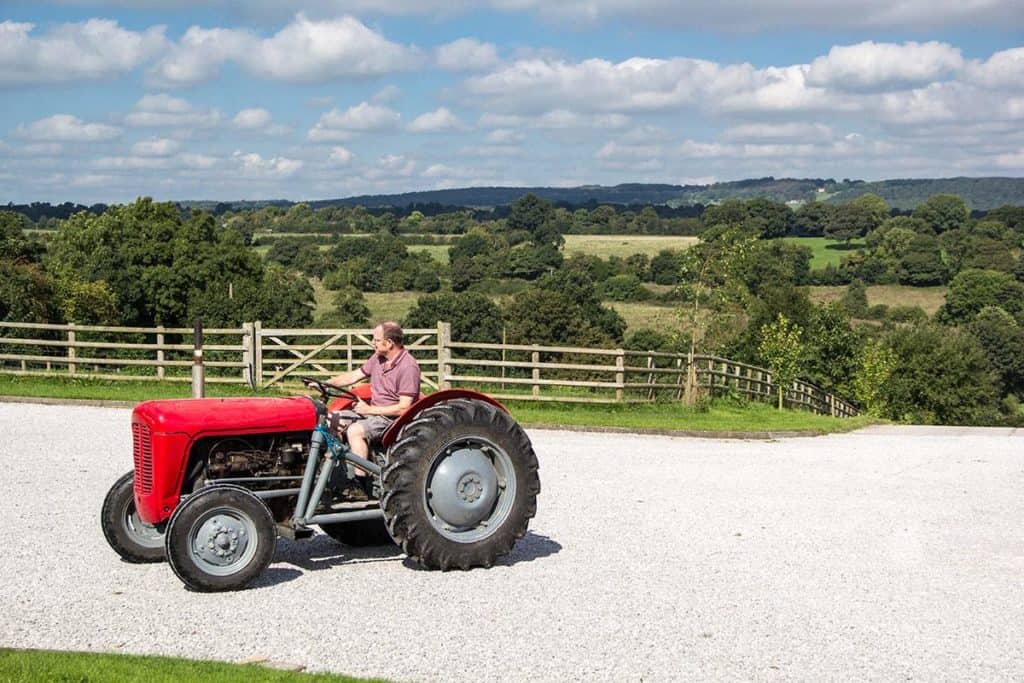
<point x="200" y="415"/>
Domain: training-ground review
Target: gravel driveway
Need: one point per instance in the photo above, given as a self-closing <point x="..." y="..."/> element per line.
<point x="891" y="553"/>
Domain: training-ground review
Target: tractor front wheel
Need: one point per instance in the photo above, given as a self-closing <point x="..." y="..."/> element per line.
<point x="130" y="537"/>
<point x="461" y="485"/>
<point x="220" y="538"/>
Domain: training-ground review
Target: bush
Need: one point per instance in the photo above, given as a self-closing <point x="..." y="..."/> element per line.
<point x="623" y="288"/>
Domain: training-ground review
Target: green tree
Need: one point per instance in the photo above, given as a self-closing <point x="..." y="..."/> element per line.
<point x="972" y="290"/>
<point x="875" y="364"/>
<point x="26" y="294"/>
<point x="348" y="310"/>
<point x="1002" y="338"/>
<point x="812" y="218"/>
<point x="941" y="376"/>
<point x="536" y="217"/>
<point x="781" y="349"/>
<point x="473" y="316"/>
<point x="943" y="212"/>
<point x="855" y="299"/>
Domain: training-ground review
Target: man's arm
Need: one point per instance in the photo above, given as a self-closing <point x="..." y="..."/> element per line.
<point x="346" y="378"/>
<point x="388" y="411"/>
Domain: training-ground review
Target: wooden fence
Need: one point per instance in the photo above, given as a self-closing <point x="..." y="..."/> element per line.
<point x="262" y="357"/>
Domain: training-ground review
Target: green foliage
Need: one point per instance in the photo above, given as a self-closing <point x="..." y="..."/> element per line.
<point x="537" y="217"/>
<point x="941" y="376"/>
<point x="921" y="265"/>
<point x="562" y="309"/>
<point x="348" y="310"/>
<point x="831" y="348"/>
<point x="856" y="218"/>
<point x="473" y="317"/>
<point x="14" y="244"/>
<point x="623" y="288"/>
<point x="781" y="350"/>
<point x="160" y="268"/>
<point x="87" y="303"/>
<point x="972" y="290"/>
<point x="26" y="293"/>
<point x="875" y="364"/>
<point x="855" y="299"/>
<point x="943" y="212"/>
<point x="664" y="267"/>
<point x="1002" y="338"/>
<point x="812" y="218"/>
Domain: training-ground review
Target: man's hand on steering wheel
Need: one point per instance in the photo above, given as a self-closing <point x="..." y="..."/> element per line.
<point x="328" y="390"/>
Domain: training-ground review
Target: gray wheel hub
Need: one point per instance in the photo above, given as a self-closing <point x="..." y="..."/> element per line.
<point x="464" y="487"/>
<point x="223" y="541"/>
<point x="146" y="535"/>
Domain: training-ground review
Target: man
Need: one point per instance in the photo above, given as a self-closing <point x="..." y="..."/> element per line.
<point x="394" y="384"/>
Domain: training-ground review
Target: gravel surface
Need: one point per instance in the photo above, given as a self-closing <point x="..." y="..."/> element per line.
<point x="885" y="554"/>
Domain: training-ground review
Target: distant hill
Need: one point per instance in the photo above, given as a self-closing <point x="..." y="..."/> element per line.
<point x="979" y="193"/>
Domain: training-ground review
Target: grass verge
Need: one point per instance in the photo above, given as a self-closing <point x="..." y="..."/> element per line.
<point x="48" y="665"/>
<point x="723" y="415"/>
<point x="715" y="416"/>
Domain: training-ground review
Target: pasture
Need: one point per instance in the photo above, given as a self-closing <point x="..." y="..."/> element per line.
<point x="929" y="299"/>
<point x="625" y="245"/>
<point x="825" y="251"/>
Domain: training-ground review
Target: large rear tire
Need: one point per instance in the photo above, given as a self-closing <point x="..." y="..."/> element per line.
<point x="220" y="538"/>
<point x="130" y="537"/>
<point x="461" y="485"/>
<point x="362" y="533"/>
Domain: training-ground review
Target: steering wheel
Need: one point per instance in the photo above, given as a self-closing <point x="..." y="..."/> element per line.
<point x="328" y="390"/>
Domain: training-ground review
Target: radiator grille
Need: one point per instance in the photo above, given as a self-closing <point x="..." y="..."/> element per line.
<point x="142" y="451"/>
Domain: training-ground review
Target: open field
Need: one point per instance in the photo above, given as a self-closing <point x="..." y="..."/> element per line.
<point x="825" y="251"/>
<point x="624" y="245"/>
<point x="383" y="305"/>
<point x="891" y="552"/>
<point x="929" y="299"/>
<point x="640" y="314"/>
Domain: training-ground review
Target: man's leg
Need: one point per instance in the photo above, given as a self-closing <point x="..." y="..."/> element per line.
<point x="357" y="442"/>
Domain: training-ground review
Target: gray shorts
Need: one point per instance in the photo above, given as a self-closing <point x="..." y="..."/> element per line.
<point x="373" y="426"/>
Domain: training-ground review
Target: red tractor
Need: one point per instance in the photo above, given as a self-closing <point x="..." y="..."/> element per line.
<point x="216" y="481"/>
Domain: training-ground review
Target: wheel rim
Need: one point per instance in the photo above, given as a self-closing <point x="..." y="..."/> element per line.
<point x="223" y="541"/>
<point x="146" y="535"/>
<point x="470" y="489"/>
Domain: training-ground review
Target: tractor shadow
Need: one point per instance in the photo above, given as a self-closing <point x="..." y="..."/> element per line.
<point x="323" y="552"/>
<point x="527" y="549"/>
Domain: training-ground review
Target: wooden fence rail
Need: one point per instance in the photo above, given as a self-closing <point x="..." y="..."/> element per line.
<point x="262" y="357"/>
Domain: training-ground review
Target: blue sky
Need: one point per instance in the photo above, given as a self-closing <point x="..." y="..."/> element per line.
<point x="106" y="101"/>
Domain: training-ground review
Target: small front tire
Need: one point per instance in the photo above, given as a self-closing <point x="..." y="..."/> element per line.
<point x="220" y="538"/>
<point x="130" y="537"/>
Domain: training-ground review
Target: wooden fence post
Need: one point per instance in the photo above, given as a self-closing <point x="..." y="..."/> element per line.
<point x="247" y="354"/>
<point x="71" y="349"/>
<point x="620" y="374"/>
<point x="444" y="354"/>
<point x="257" y="354"/>
<point x="535" y="358"/>
<point x="690" y="388"/>
<point x="651" y="391"/>
<point x="160" y="352"/>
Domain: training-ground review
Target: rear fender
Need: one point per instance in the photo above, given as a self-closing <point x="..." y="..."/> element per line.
<point x="427" y="401"/>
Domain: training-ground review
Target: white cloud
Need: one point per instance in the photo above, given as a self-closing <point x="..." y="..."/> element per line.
<point x="561" y="119"/>
<point x="335" y="126"/>
<point x="870" y="66"/>
<point x="253" y="165"/>
<point x="774" y="132"/>
<point x="155" y="147"/>
<point x="502" y="136"/>
<point x="185" y="161"/>
<point x="305" y="51"/>
<point x="155" y="111"/>
<point x="1003" y="69"/>
<point x="341" y="156"/>
<point x="435" y="121"/>
<point x="388" y="93"/>
<point x="467" y="54"/>
<point x="252" y="119"/>
<point x="66" y="128"/>
<point x="94" y="49"/>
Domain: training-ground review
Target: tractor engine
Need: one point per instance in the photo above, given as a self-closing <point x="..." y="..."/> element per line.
<point x="277" y="455"/>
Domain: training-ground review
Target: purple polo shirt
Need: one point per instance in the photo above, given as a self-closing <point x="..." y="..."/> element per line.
<point x="389" y="381"/>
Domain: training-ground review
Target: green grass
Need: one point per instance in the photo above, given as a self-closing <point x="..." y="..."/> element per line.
<point x="113" y="390"/>
<point x="825" y="251"/>
<point x="654" y="316"/>
<point x="719" y="416"/>
<point x="438" y="252"/>
<point x="84" y="667"/>
<point x="624" y="245"/>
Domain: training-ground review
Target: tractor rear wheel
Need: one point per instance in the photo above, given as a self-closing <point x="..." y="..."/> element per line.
<point x="130" y="537"/>
<point x="220" y="538"/>
<point x="461" y="485"/>
<point x="362" y="533"/>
